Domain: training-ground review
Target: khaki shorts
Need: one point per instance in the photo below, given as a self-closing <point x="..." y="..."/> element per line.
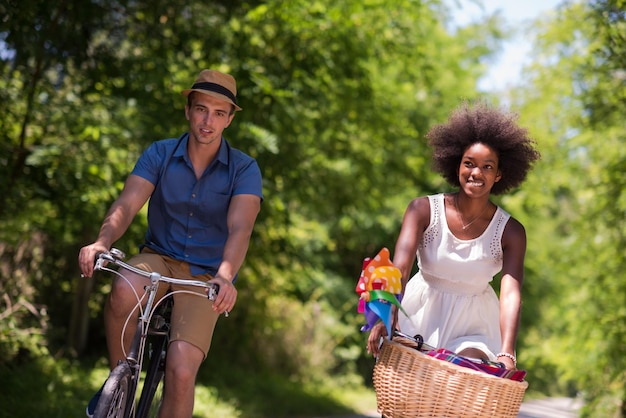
<point x="193" y="319"/>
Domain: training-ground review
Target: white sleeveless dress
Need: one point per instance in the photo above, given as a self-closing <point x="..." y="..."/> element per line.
<point x="450" y="301"/>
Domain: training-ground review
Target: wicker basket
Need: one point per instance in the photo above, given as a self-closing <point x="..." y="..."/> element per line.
<point x="409" y="383"/>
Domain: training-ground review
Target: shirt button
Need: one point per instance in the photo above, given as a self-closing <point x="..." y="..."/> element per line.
<point x="193" y="195"/>
<point x="188" y="236"/>
<point x="190" y="213"/>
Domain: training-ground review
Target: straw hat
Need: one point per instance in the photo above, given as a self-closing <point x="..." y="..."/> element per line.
<point x="219" y="85"/>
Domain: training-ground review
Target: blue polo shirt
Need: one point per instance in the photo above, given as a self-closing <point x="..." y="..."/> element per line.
<point x="187" y="216"/>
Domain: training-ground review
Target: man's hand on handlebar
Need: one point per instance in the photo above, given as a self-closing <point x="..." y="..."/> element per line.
<point x="227" y="296"/>
<point x="87" y="257"/>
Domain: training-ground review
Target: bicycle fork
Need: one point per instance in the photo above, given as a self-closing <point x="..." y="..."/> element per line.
<point x="139" y="339"/>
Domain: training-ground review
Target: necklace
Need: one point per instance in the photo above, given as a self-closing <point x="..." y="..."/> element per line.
<point x="464" y="226"/>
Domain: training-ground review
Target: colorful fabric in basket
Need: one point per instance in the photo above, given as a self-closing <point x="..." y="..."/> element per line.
<point x="452" y="357"/>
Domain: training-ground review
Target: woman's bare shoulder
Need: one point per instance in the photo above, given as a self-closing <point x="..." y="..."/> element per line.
<point x="420" y="204"/>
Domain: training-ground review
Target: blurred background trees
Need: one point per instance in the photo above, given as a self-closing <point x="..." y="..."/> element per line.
<point x="337" y="97"/>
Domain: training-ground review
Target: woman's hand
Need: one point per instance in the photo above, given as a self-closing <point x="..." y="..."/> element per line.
<point x="373" y="341"/>
<point x="508" y="362"/>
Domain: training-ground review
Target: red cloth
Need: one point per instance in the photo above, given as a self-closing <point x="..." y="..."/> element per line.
<point x="452" y="357"/>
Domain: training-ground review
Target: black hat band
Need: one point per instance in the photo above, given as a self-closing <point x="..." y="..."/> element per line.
<point x="214" y="87"/>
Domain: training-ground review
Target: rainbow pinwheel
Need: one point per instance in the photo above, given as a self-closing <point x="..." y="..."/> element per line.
<point x="379" y="287"/>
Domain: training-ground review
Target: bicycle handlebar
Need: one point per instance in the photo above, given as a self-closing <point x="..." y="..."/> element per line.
<point x="116" y="257"/>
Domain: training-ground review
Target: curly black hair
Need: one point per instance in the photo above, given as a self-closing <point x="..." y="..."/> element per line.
<point x="479" y="123"/>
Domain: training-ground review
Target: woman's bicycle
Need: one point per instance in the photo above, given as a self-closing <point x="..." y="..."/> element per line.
<point x="121" y="390"/>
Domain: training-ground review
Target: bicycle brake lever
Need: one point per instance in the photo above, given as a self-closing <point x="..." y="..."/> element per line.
<point x="212" y="293"/>
<point x="213" y="290"/>
<point x="102" y="259"/>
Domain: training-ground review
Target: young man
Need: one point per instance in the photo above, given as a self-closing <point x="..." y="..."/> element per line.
<point x="204" y="200"/>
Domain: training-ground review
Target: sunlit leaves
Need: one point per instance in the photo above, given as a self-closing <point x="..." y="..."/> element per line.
<point x="575" y="107"/>
<point x="336" y="95"/>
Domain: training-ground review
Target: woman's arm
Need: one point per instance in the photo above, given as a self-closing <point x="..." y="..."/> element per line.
<point x="514" y="251"/>
<point x="415" y="221"/>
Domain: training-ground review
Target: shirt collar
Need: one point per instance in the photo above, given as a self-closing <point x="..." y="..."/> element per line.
<point x="222" y="154"/>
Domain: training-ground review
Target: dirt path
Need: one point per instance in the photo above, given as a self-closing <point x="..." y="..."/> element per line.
<point x="550" y="408"/>
<point x="539" y="408"/>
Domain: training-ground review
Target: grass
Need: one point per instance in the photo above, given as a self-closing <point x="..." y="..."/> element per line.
<point x="61" y="389"/>
<point x="43" y="387"/>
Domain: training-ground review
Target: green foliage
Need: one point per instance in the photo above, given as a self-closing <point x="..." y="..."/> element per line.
<point x="337" y="97"/>
<point x="576" y="105"/>
<point x="42" y="386"/>
<point x="346" y="102"/>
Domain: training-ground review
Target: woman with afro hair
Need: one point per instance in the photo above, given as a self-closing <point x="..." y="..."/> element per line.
<point x="462" y="240"/>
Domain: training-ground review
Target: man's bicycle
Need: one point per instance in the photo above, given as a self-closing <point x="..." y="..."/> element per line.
<point x="121" y="390"/>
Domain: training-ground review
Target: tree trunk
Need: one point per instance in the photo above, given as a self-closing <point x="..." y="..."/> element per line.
<point x="79" y="322"/>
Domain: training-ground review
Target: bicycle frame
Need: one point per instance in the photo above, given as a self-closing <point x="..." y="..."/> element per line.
<point x="120" y="396"/>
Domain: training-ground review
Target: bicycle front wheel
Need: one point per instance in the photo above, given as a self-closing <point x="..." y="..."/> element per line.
<point x="116" y="395"/>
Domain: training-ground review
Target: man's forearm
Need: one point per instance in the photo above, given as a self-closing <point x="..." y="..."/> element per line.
<point x="235" y="252"/>
<point x="114" y="225"/>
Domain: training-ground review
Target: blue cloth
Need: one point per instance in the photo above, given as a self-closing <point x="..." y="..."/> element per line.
<point x="187" y="216"/>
